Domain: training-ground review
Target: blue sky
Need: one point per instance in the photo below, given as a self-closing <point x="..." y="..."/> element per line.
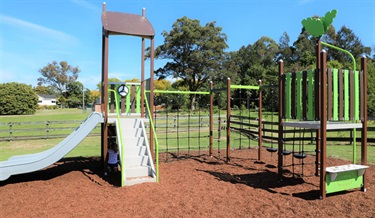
<point x="37" y="32"/>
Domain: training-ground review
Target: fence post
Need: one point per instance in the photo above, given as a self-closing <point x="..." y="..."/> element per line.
<point x="47" y="129"/>
<point x="10" y="131"/>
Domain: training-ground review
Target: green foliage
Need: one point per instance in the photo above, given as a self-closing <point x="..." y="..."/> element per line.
<point x="17" y="99"/>
<point x="194" y="52"/>
<point x="370" y="87"/>
<point x="58" y="75"/>
<point x="44" y="90"/>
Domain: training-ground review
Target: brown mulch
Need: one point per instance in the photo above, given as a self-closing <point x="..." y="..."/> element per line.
<point x="200" y="186"/>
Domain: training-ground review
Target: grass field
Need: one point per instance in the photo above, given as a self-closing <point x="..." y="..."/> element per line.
<point x="175" y="139"/>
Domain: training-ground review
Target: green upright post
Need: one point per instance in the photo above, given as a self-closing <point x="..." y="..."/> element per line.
<point x="138" y="99"/>
<point x="127" y="110"/>
<point x="299" y="95"/>
<point x="335" y="87"/>
<point x="310" y="92"/>
<point x="288" y="97"/>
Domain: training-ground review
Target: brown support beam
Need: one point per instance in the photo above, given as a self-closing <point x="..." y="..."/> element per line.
<point x="228" y="120"/>
<point x="104" y="125"/>
<point x="143" y="73"/>
<point x="317" y="106"/>
<point x="151" y="102"/>
<point x="280" y="125"/>
<point x="364" y="120"/>
<point x="260" y="122"/>
<point x="323" y="124"/>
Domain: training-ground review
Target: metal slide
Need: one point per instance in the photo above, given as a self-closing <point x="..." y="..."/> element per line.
<point x="33" y="162"/>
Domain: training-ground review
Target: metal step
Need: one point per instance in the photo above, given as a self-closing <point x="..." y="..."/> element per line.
<point x="136" y="161"/>
<point x="133" y="141"/>
<point x="139" y="171"/>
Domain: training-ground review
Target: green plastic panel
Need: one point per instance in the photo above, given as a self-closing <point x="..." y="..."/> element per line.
<point x="335" y="93"/>
<point x="344" y="181"/>
<point x="310" y="91"/>
<point x="288" y="97"/>
<point x="346" y="95"/>
<point x="138" y="99"/>
<point x="299" y="95"/>
<point x="356" y="95"/>
<point x="127" y="107"/>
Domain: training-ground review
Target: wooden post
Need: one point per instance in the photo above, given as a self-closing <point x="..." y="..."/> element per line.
<point x="228" y="119"/>
<point x="104" y="125"/>
<point x="364" y="120"/>
<point x="280" y="125"/>
<point x="260" y="122"/>
<point x="151" y="102"/>
<point x="323" y="123"/>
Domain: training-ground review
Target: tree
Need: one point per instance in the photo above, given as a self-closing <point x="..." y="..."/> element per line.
<point x="74" y="94"/>
<point x="286" y="51"/>
<point x="58" y="75"/>
<point x="99" y="85"/>
<point x="371" y="88"/>
<point x="43" y="90"/>
<point x="17" y="99"/>
<point x="194" y="53"/>
<point x="346" y="39"/>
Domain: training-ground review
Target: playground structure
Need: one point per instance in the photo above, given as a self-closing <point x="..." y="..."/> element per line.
<point x="303" y="104"/>
<point x="321" y="100"/>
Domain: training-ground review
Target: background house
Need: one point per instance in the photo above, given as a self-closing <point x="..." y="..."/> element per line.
<point x="47" y="100"/>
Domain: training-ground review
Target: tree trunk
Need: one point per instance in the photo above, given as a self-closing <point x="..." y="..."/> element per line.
<point x="192" y="102"/>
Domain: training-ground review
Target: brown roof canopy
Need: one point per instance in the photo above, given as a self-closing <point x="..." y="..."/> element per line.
<point x="116" y="23"/>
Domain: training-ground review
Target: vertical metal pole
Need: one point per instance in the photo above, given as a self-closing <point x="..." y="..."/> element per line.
<point x="152" y="93"/>
<point x="228" y="119"/>
<point x="104" y="126"/>
<point x="317" y="108"/>
<point x="323" y="123"/>
<point x="260" y="121"/>
<point x="143" y="72"/>
<point x="280" y="125"/>
<point x="364" y="120"/>
<point x="211" y="118"/>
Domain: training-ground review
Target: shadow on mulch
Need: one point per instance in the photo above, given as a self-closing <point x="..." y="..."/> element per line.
<point x="266" y="180"/>
<point x="88" y="166"/>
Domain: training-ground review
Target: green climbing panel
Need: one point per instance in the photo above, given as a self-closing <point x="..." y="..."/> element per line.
<point x="344" y="177"/>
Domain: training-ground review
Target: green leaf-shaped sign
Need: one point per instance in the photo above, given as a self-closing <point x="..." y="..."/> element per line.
<point x="328" y="19"/>
<point x="314" y="26"/>
<point x="319" y="26"/>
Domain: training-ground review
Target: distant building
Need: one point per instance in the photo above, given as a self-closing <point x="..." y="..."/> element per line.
<point x="46" y="100"/>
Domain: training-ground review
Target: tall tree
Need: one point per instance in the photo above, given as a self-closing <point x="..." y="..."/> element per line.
<point x="286" y="51"/>
<point x="194" y="52"/>
<point x="58" y="75"/>
<point x="346" y="39"/>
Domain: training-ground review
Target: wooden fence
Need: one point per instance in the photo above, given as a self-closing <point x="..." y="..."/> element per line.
<point x="245" y="125"/>
<point x="10" y="131"/>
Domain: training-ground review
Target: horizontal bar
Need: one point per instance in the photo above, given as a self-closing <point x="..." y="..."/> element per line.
<point x="179" y="92"/>
<point x="244" y="87"/>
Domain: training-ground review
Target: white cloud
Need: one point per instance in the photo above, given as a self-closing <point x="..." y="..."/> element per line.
<point x="47" y="32"/>
<point x="87" y="5"/>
